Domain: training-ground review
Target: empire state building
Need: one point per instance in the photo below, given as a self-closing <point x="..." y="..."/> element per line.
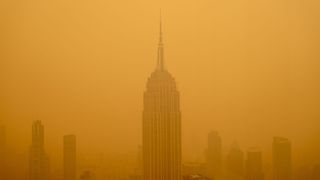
<point x="161" y="124"/>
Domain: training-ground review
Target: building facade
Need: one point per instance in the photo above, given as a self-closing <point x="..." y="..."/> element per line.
<point x="69" y="157"/>
<point x="281" y="152"/>
<point x="235" y="163"/>
<point x="214" y="156"/>
<point x="254" y="170"/>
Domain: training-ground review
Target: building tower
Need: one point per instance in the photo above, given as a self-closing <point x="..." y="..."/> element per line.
<point x="281" y="151"/>
<point x="235" y="163"/>
<point x="38" y="159"/>
<point x="254" y="165"/>
<point x="214" y="155"/>
<point x="69" y="157"/>
<point x="161" y="124"/>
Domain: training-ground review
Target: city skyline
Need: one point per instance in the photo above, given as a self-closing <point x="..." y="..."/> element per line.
<point x="219" y="166"/>
<point x="233" y="165"/>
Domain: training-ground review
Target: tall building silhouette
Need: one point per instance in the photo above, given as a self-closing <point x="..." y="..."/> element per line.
<point x="254" y="169"/>
<point x="235" y="163"/>
<point x="69" y="157"/>
<point x="2" y="152"/>
<point x="214" y="155"/>
<point x="161" y="124"/>
<point x="38" y="159"/>
<point x="281" y="151"/>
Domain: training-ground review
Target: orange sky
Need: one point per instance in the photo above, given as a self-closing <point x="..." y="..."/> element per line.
<point x="249" y="69"/>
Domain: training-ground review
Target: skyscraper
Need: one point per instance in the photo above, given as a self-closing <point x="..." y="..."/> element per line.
<point x="214" y="155"/>
<point x="2" y="152"/>
<point x="38" y="159"/>
<point x="69" y="157"/>
<point x="254" y="165"/>
<point x="235" y="163"/>
<point x="281" y="151"/>
<point x="161" y="124"/>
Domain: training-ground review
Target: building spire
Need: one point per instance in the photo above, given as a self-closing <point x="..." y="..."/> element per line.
<point x="160" y="37"/>
<point x="160" y="65"/>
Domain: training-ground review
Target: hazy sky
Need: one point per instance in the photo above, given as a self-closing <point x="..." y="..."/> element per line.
<point x="248" y="69"/>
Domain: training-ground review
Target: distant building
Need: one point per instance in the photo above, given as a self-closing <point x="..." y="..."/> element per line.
<point x="137" y="174"/>
<point x="135" y="177"/>
<point x="254" y="165"/>
<point x="193" y="168"/>
<point x="303" y="173"/>
<point x="281" y="151"/>
<point x="235" y="163"/>
<point x="69" y="157"/>
<point x="307" y="172"/>
<point x="38" y="159"/>
<point x="87" y="175"/>
<point x="214" y="156"/>
<point x="2" y="152"/>
<point x="195" y="177"/>
<point x="161" y="124"/>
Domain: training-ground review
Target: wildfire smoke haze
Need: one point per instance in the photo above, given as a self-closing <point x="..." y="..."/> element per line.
<point x="246" y="75"/>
